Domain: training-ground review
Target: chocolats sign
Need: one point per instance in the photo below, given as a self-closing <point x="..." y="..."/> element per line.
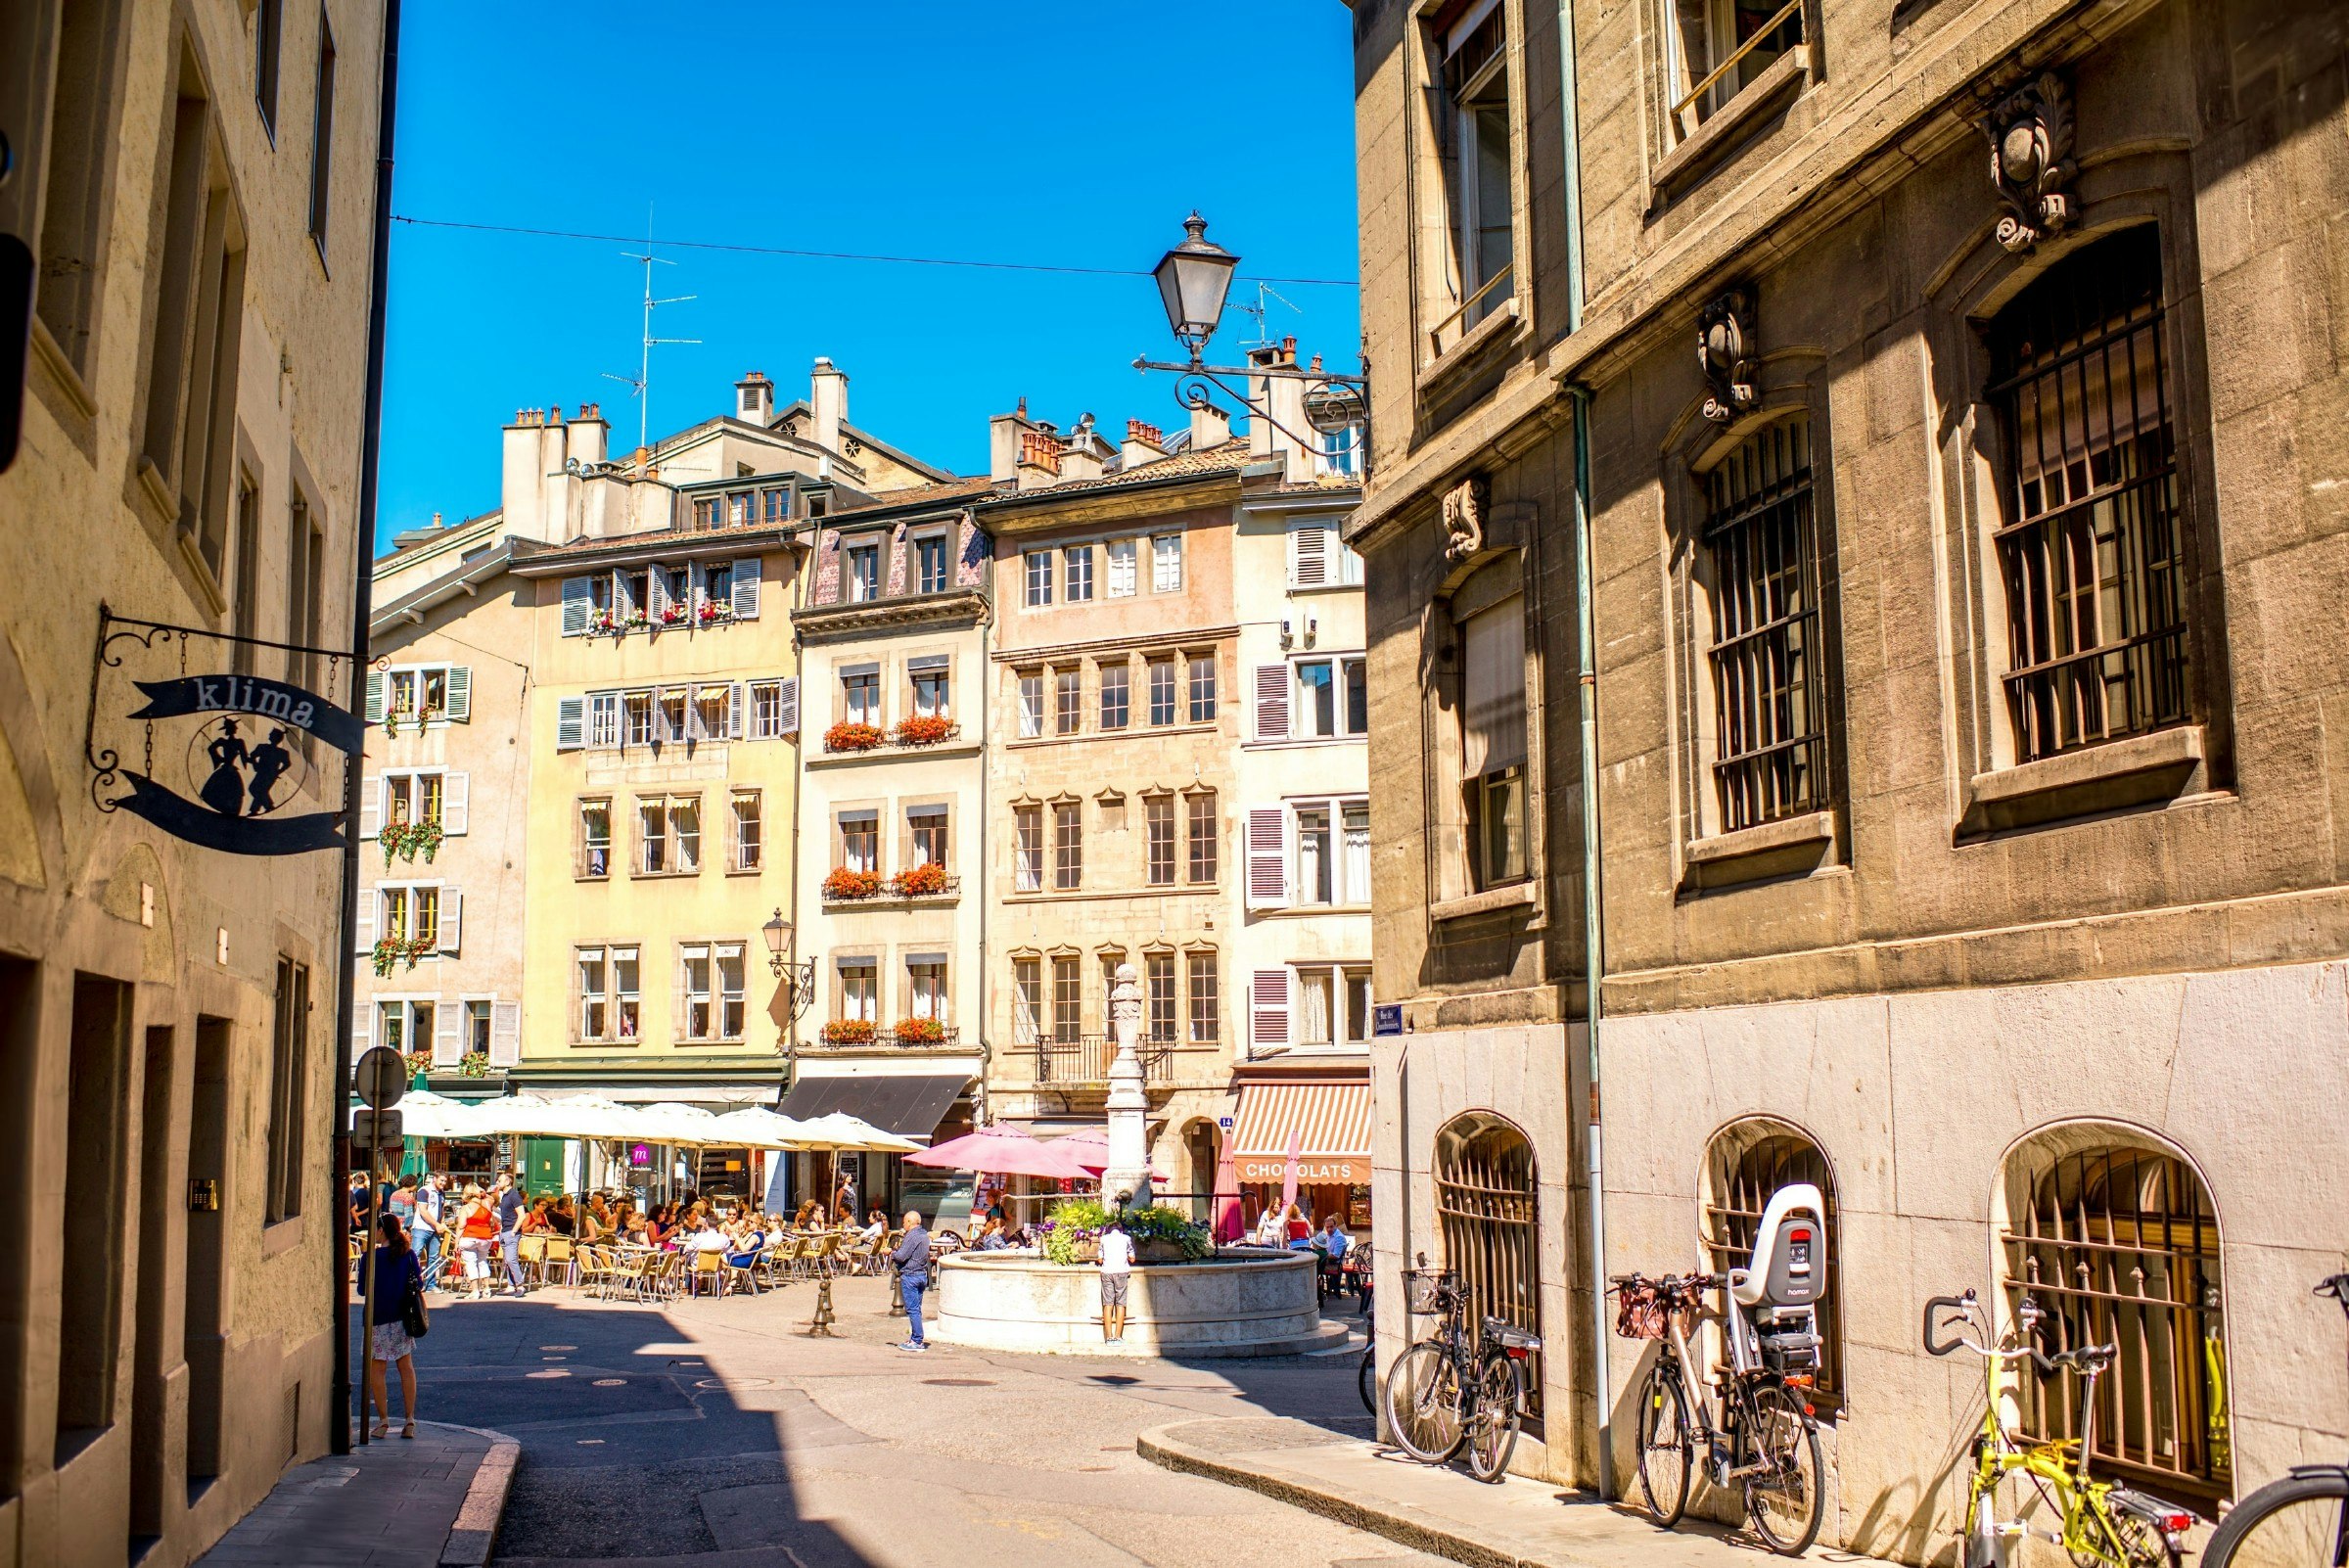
<point x="223" y="761"/>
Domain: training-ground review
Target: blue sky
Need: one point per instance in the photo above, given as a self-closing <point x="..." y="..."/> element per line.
<point x="981" y="130"/>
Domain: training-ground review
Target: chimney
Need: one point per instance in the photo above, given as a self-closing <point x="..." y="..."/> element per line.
<point x="828" y="403"/>
<point x="1003" y="434"/>
<point x="755" y="399"/>
<point x="436" y="522"/>
<point x="1085" y="453"/>
<point x="1281" y="396"/>
<point x="1040" y="453"/>
<point x="1211" y="428"/>
<point x="522" y="488"/>
<point x="590" y="434"/>
<point x="1144" y="443"/>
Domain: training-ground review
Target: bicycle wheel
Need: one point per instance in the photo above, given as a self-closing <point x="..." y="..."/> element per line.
<point x="1423" y="1404"/>
<point x="1367" y="1377"/>
<point x="1784" y="1496"/>
<point x="1667" y="1445"/>
<point x="1493" y="1429"/>
<point x="2130" y="1539"/>
<point x="2298" y="1522"/>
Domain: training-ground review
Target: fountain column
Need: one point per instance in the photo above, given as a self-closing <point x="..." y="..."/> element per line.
<point x="1128" y="1169"/>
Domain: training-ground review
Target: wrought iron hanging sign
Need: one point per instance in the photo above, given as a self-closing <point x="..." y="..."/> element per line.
<point x="242" y="765"/>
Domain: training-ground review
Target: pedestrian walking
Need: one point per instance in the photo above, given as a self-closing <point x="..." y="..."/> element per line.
<point x="912" y="1260"/>
<point x="477" y="1229"/>
<point x="423" y="1234"/>
<point x="1117" y="1274"/>
<point x="512" y="1202"/>
<point x="389" y="1315"/>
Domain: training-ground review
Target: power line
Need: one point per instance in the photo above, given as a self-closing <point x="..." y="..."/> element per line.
<point x="831" y="255"/>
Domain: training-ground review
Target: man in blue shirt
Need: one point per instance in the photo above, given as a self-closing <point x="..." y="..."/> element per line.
<point x="512" y="1201"/>
<point x="912" y="1260"/>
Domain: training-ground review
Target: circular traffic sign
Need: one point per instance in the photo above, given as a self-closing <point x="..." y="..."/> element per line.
<point x="381" y="1077"/>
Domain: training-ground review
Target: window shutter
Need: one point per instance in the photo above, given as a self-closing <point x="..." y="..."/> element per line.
<point x="448" y="1034"/>
<point x="746" y="589"/>
<point x="788" y="703"/>
<point x="505" y="1034"/>
<point x="696" y="728"/>
<point x="452" y="905"/>
<point x="460" y="695"/>
<point x="456" y="793"/>
<point x="1273" y="702"/>
<point x="571" y="719"/>
<point x="1268" y="857"/>
<point x="1268" y="1007"/>
<point x="362" y="1019"/>
<point x="578" y="606"/>
<point x="371" y="806"/>
<point x="368" y="899"/>
<point x="657" y="589"/>
<point x="737" y="703"/>
<point x="1310" y="567"/>
<point x="375" y="696"/>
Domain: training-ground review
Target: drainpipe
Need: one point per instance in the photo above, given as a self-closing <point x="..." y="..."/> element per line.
<point x="362" y="607"/>
<point x="1570" y="134"/>
<point x="799" y="789"/>
<point x="1593" y="930"/>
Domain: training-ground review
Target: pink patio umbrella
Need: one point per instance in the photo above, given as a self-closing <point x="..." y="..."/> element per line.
<point x="1090" y="1148"/>
<point x="1230" y="1223"/>
<point x="1288" y="1181"/>
<point x="1002" y="1151"/>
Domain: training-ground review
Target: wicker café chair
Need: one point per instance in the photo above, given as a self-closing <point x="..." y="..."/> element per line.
<point x="557" y="1261"/>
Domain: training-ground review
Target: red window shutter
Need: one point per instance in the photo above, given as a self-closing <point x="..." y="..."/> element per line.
<point x="1268" y="1007"/>
<point x="1268" y="858"/>
<point x="1273" y="702"/>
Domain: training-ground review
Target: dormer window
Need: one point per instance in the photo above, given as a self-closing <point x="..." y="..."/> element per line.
<point x="861" y="562"/>
<point x="930" y="563"/>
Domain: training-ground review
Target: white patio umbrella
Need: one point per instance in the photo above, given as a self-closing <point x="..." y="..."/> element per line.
<point x="670" y="1122"/>
<point x="755" y="1127"/>
<point x="533" y="1116"/>
<point x="841" y="1131"/>
<point x="426" y="1115"/>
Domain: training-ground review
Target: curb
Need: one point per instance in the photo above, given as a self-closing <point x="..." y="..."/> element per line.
<point x="1161" y="1448"/>
<point x="474" y="1535"/>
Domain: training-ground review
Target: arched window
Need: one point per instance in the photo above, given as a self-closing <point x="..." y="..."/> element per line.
<point x="1746" y="1163"/>
<point x="2120" y="1245"/>
<point x="1486" y="1214"/>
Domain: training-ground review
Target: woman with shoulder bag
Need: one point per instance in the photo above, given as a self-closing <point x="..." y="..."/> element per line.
<point x="395" y="1319"/>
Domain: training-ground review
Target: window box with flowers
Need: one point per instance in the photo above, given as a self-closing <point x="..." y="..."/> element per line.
<point x="920" y="1032"/>
<point x="674" y="614"/>
<point x="924" y="881"/>
<point x="850" y="736"/>
<point x="408" y="840"/>
<point x="848" y="1032"/>
<point x="389" y="951"/>
<point x="926" y="729"/>
<point x="714" y="613"/>
<point x="845" y="883"/>
<point x="474" y="1064"/>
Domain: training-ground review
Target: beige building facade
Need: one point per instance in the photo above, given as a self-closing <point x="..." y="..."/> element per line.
<point x="190" y="456"/>
<point x="1958" y="558"/>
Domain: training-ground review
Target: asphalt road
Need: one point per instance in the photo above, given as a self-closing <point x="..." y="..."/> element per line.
<point x="715" y="1433"/>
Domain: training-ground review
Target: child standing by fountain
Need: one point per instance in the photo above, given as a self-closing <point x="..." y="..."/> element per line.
<point x="1117" y="1274"/>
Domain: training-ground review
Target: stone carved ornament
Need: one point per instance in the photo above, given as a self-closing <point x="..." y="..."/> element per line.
<point x="1725" y="333"/>
<point x="2030" y="132"/>
<point x="1465" y="507"/>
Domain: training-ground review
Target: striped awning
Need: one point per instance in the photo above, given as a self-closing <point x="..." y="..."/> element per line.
<point x="1328" y="1122"/>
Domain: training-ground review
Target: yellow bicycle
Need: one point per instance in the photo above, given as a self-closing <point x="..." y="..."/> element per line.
<point x="2103" y="1525"/>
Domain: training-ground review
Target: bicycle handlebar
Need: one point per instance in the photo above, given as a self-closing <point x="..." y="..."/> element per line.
<point x="1967" y="1313"/>
<point x="1957" y="1305"/>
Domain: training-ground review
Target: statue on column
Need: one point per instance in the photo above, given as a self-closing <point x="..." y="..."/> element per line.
<point x="1126" y="1182"/>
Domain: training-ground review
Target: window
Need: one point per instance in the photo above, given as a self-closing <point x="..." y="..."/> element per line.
<point x="1761" y="575"/>
<point x="1358" y="696"/>
<point x="1165" y="563"/>
<point x="1157" y="821"/>
<point x="626" y="1003"/>
<point x="1319" y="559"/>
<point x="1207" y="1018"/>
<point x="391" y="1025"/>
<point x="859" y="1000"/>
<point x="1031" y="704"/>
<point x="1354" y="864"/>
<point x="671" y="828"/>
<point x="247" y="615"/>
<point x="594" y="1003"/>
<point x="930" y="693"/>
<point x="860" y="697"/>
<point x="930" y="563"/>
<point x="322" y="133"/>
<point x="1039" y="578"/>
<point x="738" y="508"/>
<point x="1162" y="691"/>
<point x="289" y="1094"/>
<point x="477" y="1027"/>
<point x="1068" y="1000"/>
<point x="713" y="710"/>
<point x="1316" y="699"/>
<point x="1115" y="694"/>
<point x="861" y="841"/>
<point x="1315" y="876"/>
<point x="1122" y="584"/>
<point x="412" y="913"/>
<point x="718" y="583"/>
<point x="676" y="586"/>
<point x="671" y="710"/>
<point x="1027" y="1000"/>
<point x="1068" y="846"/>
<point x="926" y="987"/>
<point x="730" y="1012"/>
<point x="1745" y="1165"/>
<point x="2120" y="1245"/>
<point x="1206" y="834"/>
<point x="747" y="845"/>
<point x="1472" y="133"/>
<point x="696" y="1017"/>
<point x="636" y="591"/>
<point x="1203" y="688"/>
<point x="863" y="564"/>
<point x="929" y="826"/>
<point x="595" y="838"/>
<point x="2094" y="552"/>
<point x="1333" y="1006"/>
<point x="1077" y="561"/>
<point x="1493" y="742"/>
<point x="1158" y="996"/>
<point x="1721" y="47"/>
<point x="1068" y="700"/>
<point x="603" y="721"/>
<point x="1485" y="1216"/>
<point x="1027" y="849"/>
<point x="72" y="183"/>
<point x="414" y="799"/>
<point x="705" y="514"/>
<point x="636" y="718"/>
<point x="686" y="824"/>
<point x="766" y="710"/>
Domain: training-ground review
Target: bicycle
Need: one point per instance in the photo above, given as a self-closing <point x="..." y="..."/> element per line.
<point x="2301" y="1518"/>
<point x="1766" y="1438"/>
<point x="2103" y="1523"/>
<point x="1452" y="1390"/>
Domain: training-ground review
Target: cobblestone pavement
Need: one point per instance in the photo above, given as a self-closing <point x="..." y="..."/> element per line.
<point x="716" y="1432"/>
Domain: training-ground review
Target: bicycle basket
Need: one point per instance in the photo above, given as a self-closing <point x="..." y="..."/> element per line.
<point x="1430" y="1291"/>
<point x="1644" y="1313"/>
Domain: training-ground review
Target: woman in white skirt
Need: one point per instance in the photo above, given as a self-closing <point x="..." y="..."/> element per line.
<point x="477" y="1233"/>
<point x="396" y="1272"/>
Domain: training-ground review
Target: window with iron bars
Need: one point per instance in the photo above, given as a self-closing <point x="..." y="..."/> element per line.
<point x="1761" y="562"/>
<point x="1746" y="1165"/>
<point x="1484" y="1212"/>
<point x="2093" y="554"/>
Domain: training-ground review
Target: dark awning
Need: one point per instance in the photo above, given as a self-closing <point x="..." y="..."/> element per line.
<point x="910" y="1105"/>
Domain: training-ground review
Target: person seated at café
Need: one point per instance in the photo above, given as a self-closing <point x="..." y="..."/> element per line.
<point x="536" y="1221"/>
<point x="990" y="1236"/>
<point x="810" y="1216"/>
<point x="1332" y="1241"/>
<point x="875" y="1228"/>
<point x="559" y="1215"/>
<point x="657" y="1228"/>
<point x="1268" y="1228"/>
<point x="1300" y="1229"/>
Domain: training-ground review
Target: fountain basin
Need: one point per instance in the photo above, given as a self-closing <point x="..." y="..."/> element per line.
<point x="1244" y="1302"/>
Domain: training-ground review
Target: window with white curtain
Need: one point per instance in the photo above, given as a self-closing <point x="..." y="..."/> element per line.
<point x="1333" y="1005"/>
<point x="1493" y="743"/>
<point x="1027" y="849"/>
<point x="1313" y="867"/>
<point x="1031" y="704"/>
<point x="926" y="977"/>
<point x="1353" y="865"/>
<point x="1026" y="998"/>
<point x="1121" y="568"/>
<point x="856" y="990"/>
<point x="861" y="841"/>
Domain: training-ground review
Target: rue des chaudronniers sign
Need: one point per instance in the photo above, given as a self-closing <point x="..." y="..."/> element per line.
<point x="242" y="763"/>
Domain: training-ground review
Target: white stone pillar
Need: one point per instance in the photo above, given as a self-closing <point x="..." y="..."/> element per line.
<point x="1128" y="1169"/>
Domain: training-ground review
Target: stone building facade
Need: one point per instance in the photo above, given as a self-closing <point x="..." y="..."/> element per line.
<point x="201" y="219"/>
<point x="1960" y="545"/>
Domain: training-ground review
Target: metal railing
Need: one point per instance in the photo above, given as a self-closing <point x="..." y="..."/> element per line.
<point x="885" y="1038"/>
<point x="1760" y="35"/>
<point x="1084" y="1059"/>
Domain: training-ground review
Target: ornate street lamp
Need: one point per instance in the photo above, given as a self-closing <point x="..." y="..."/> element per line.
<point x="1192" y="280"/>
<point x="799" y="980"/>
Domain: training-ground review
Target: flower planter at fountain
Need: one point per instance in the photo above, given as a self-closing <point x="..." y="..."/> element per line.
<point x="1243" y="1302"/>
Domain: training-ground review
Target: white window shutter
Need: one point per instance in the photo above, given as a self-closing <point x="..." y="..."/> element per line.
<point x="505" y="1034"/>
<point x="788" y="701"/>
<point x="571" y="719"/>
<point x="460" y="695"/>
<point x="371" y="806"/>
<point x="448" y="1034"/>
<point x="738" y="705"/>
<point x="456" y="800"/>
<point x="657" y="589"/>
<point x="1308" y="566"/>
<point x="1268" y="857"/>
<point x="1273" y="702"/>
<point x="578" y="606"/>
<point x="362" y="1020"/>
<point x="1268" y="1007"/>
<point x="452" y="905"/>
<point x="746" y="589"/>
<point x="368" y="899"/>
<point x="375" y="696"/>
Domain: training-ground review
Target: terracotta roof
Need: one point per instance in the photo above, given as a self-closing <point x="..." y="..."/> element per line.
<point x="919" y="495"/>
<point x="1229" y="457"/>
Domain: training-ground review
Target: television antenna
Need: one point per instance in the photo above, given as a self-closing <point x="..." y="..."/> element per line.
<point x="1258" y="311"/>
<point x="640" y="385"/>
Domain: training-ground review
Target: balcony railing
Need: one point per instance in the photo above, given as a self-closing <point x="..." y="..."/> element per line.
<point x="895" y="890"/>
<point x="888" y="1039"/>
<point x="1084" y="1059"/>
